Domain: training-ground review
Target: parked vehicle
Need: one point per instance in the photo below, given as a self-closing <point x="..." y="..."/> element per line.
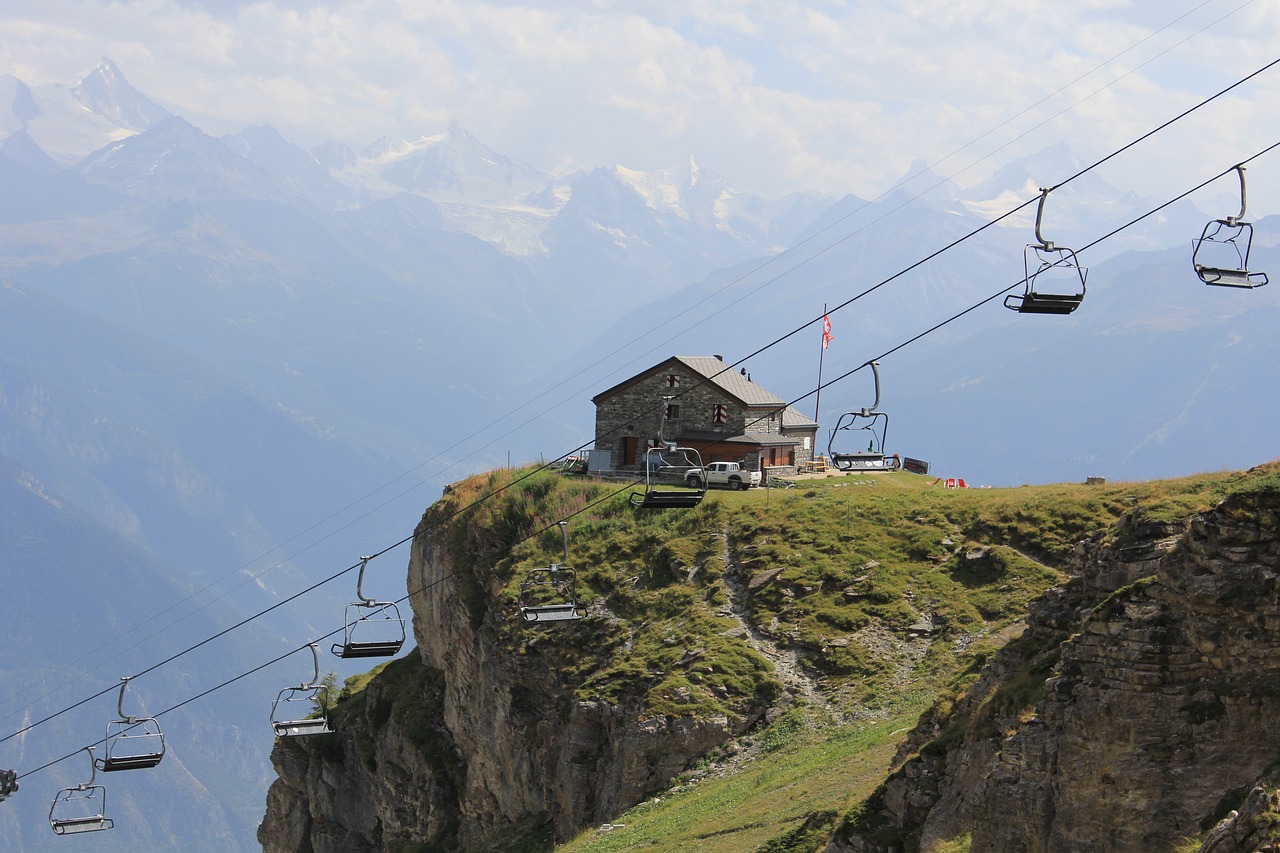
<point x="728" y="475"/>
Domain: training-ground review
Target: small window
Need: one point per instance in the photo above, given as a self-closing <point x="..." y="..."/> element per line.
<point x="673" y="381"/>
<point x="720" y="413"/>
<point x="673" y="412"/>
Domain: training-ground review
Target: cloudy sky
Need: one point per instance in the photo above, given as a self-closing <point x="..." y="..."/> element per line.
<point x="773" y="95"/>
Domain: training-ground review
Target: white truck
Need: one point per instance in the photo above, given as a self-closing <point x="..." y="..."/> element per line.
<point x="729" y="475"/>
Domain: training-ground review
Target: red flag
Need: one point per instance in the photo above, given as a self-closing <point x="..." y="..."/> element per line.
<point x="826" y="331"/>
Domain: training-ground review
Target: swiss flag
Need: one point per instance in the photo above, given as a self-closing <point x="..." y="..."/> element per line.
<point x="826" y="331"/>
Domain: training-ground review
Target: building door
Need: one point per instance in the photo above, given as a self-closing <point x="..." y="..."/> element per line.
<point x="630" y="447"/>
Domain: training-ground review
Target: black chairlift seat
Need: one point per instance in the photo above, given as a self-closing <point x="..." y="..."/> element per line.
<point x="1044" y="303"/>
<point x="1230" y="277"/>
<point x="550" y="612"/>
<point x="368" y="650"/>
<point x="1221" y="255"/>
<point x="132" y="743"/>
<point x="374" y="629"/>
<point x="871" y="426"/>
<point x="301" y="728"/>
<point x="1056" y="268"/>
<point x="654" y="499"/>
<point x="73" y="825"/>
<point x="292" y="714"/>
<point x="674" y="479"/>
<point x="81" y="808"/>
<point x="550" y="594"/>
<point x="866" y="461"/>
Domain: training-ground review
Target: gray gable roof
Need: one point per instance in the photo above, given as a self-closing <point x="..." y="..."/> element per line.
<point x="732" y="381"/>
<point x="791" y="419"/>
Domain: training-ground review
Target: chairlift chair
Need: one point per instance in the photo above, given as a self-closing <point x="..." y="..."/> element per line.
<point x="291" y="713"/>
<point x="875" y="424"/>
<point x="1056" y="286"/>
<point x="550" y="594"/>
<point x="81" y="808"/>
<point x="132" y="743"/>
<point x="374" y="629"/>
<point x="8" y="784"/>
<point x="674" y="479"/>
<point x="1221" y="255"/>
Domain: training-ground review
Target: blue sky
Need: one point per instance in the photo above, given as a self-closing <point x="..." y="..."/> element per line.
<point x="774" y="96"/>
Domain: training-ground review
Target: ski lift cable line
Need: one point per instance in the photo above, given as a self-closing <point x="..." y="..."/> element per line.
<point x="931" y="256"/>
<point x="505" y="552"/>
<point x="790" y="250"/>
<point x="746" y="275"/>
<point x="1081" y="172"/>
<point x="843" y="218"/>
<point x="332" y="532"/>
<point x="772" y="344"/>
<point x="1005" y="290"/>
<point x="838" y="307"/>
<point x="627" y="486"/>
<point x="760" y="350"/>
<point x="891" y="278"/>
<point x="189" y="649"/>
<point x="1086" y="246"/>
<point x="283" y="602"/>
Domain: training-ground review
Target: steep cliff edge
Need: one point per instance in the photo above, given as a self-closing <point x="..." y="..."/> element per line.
<point x="493" y="727"/>
<point x="1128" y="710"/>
<point x="1140" y="704"/>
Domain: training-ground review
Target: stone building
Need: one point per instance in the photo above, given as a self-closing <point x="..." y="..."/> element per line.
<point x="696" y="401"/>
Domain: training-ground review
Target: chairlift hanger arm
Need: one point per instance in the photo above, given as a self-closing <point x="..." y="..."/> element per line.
<point x="1238" y="219"/>
<point x="1044" y="244"/>
<point x="315" y="660"/>
<point x="364" y="561"/>
<point x="564" y="533"/>
<point x="875" y="372"/>
<point x="127" y="718"/>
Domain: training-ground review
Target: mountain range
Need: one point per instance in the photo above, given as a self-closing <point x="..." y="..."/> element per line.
<point x="246" y="363"/>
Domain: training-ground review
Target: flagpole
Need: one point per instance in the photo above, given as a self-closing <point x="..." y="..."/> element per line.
<point x="821" y="353"/>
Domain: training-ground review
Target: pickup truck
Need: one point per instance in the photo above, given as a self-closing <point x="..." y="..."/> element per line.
<point x="729" y="475"/>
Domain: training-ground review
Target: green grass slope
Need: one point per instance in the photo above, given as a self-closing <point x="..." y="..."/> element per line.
<point x="854" y="601"/>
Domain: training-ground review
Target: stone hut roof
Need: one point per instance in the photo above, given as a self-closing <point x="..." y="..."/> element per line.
<point x="713" y="368"/>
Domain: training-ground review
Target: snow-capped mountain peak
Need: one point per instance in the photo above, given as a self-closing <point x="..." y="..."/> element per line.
<point x="687" y="190"/>
<point x="70" y="122"/>
<point x="105" y="92"/>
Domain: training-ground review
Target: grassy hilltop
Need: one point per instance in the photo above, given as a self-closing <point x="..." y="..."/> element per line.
<point x="847" y="605"/>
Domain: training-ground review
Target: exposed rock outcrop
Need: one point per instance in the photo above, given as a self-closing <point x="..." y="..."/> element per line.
<point x="1138" y="696"/>
<point x="1253" y="828"/>
<point x="486" y="730"/>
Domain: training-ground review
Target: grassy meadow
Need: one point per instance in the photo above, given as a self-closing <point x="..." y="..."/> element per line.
<point x="847" y="604"/>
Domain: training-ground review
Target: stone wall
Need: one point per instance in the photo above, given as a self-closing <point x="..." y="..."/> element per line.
<point x="636" y="411"/>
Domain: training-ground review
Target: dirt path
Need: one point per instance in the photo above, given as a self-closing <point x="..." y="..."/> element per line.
<point x="786" y="662"/>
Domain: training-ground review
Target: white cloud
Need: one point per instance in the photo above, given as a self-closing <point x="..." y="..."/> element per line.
<point x="776" y="96"/>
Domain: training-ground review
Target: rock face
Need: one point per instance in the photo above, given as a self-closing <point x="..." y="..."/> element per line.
<point x="1139" y="705"/>
<point x="481" y="732"/>
<point x="392" y="775"/>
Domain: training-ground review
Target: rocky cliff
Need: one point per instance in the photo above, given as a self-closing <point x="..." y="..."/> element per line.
<point x="493" y="728"/>
<point x="1132" y="710"/>
<point x="1137" y="709"/>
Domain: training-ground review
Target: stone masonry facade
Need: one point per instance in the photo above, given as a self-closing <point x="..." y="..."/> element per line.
<point x="630" y="418"/>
